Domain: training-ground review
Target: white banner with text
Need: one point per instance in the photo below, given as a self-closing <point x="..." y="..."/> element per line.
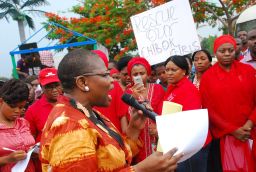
<point x="166" y="30"/>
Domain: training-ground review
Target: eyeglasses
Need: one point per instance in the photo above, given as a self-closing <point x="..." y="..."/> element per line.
<point x="105" y="74"/>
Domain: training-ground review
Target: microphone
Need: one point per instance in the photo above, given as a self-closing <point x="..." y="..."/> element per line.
<point x="128" y="99"/>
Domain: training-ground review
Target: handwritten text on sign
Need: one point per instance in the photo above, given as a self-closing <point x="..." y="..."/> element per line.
<point x="165" y="30"/>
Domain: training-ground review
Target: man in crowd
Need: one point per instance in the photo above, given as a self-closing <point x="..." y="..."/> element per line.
<point x="22" y="67"/>
<point x="238" y="55"/>
<point x="250" y="57"/>
<point x="243" y="36"/>
<point x="38" y="112"/>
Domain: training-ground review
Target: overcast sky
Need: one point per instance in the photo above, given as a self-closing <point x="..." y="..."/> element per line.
<point x="9" y="35"/>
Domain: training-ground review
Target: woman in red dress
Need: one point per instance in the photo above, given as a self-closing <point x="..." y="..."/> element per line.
<point x="149" y="92"/>
<point x="228" y="91"/>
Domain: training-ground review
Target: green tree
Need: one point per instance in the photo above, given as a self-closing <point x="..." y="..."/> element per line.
<point x="207" y="43"/>
<point x="107" y="21"/>
<point x="20" y="10"/>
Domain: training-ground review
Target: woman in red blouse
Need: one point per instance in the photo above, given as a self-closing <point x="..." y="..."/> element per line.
<point x="144" y="91"/>
<point x="182" y="91"/>
<point x="228" y="91"/>
<point x="14" y="131"/>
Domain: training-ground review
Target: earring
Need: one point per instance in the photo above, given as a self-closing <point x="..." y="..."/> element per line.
<point x="86" y="88"/>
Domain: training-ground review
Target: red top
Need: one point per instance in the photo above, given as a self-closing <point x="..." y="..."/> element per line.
<point x="17" y="137"/>
<point x="37" y="115"/>
<point x="229" y="96"/>
<point x="184" y="93"/>
<point x="117" y="108"/>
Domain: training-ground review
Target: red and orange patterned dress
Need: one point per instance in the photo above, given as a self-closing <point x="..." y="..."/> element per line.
<point x="71" y="141"/>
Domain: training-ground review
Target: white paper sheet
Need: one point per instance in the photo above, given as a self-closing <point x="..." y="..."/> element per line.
<point x="22" y="165"/>
<point x="185" y="130"/>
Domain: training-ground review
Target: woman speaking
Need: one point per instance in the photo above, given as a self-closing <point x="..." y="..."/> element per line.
<point x="76" y="138"/>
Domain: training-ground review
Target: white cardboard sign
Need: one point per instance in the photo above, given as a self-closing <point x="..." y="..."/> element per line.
<point x="166" y="30"/>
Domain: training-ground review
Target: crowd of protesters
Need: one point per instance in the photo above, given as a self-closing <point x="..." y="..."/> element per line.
<point x="77" y="114"/>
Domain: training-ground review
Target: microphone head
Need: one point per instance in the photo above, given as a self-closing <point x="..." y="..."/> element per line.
<point x="128" y="99"/>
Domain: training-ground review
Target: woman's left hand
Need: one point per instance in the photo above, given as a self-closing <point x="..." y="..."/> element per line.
<point x="241" y="134"/>
<point x="248" y="125"/>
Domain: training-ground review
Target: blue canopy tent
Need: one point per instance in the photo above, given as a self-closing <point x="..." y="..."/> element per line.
<point x="53" y="26"/>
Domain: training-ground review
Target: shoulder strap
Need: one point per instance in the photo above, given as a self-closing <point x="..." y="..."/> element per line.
<point x="97" y="120"/>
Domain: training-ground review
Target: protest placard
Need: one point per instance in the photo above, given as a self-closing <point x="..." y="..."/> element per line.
<point x="165" y="30"/>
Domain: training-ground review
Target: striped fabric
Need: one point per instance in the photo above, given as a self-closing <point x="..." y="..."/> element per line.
<point x="16" y="138"/>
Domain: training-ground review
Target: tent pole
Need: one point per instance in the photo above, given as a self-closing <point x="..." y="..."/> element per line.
<point x="14" y="68"/>
<point x="95" y="46"/>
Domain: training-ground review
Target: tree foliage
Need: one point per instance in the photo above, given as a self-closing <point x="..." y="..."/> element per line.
<point x="107" y="21"/>
<point x="207" y="43"/>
